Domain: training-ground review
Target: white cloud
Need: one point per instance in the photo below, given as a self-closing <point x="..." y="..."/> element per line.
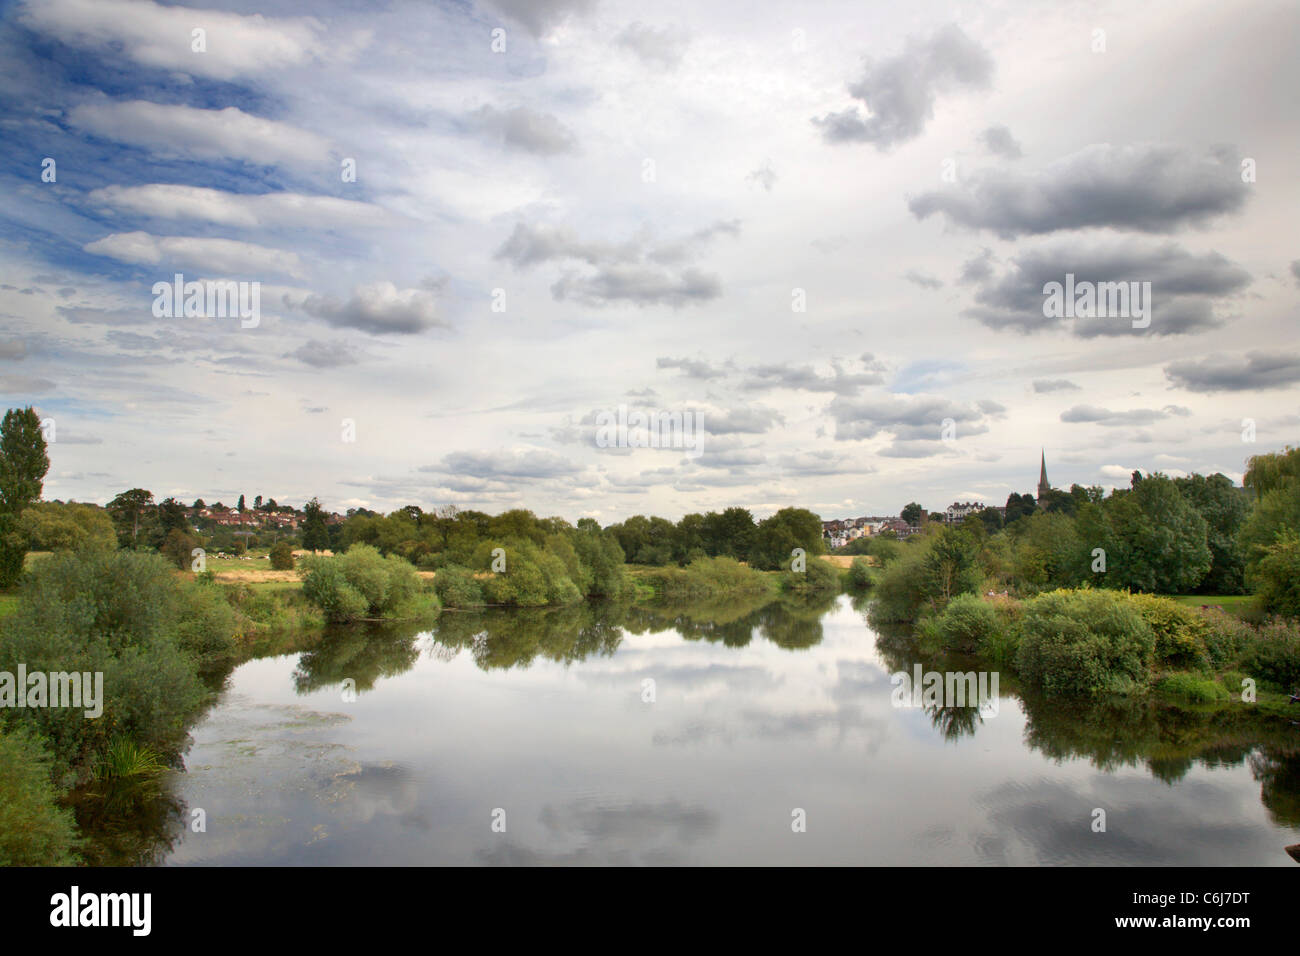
<point x="217" y="256"/>
<point x="184" y="131"/>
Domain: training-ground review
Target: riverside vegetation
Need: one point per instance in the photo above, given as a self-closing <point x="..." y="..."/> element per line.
<point x="1026" y="598"/>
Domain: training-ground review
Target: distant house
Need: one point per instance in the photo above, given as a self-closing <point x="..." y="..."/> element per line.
<point x="958" y="510"/>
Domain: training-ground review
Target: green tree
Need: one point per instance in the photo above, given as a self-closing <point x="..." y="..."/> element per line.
<point x="951" y="566"/>
<point x="60" y="526"/>
<point x="912" y="513"/>
<point x="1277" y="576"/>
<point x="1154" y="540"/>
<point x="282" y="557"/>
<point x="776" y="537"/>
<point x="23" y="464"/>
<point x="240" y="507"/>
<point x="128" y="509"/>
<point x="257" y="503"/>
<point x="315" y="534"/>
<point x="1224" y="507"/>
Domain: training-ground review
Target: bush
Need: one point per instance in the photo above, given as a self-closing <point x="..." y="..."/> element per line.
<point x="126" y="615"/>
<point x="1226" y="637"/>
<point x="859" y="574"/>
<point x="34" y="829"/>
<point x="818" y="575"/>
<point x="532" y="577"/>
<point x="1276" y="576"/>
<point x="178" y="547"/>
<point x="282" y="557"/>
<point x="1084" y="643"/>
<point x="706" y="577"/>
<point x="1191" y="687"/>
<point x="966" y="625"/>
<point x="1179" y="630"/>
<point x="457" y="587"/>
<point x="360" y="583"/>
<point x="1272" y="654"/>
<point x="899" y="592"/>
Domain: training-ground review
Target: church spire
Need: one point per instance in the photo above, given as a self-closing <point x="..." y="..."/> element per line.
<point x="1043" y="486"/>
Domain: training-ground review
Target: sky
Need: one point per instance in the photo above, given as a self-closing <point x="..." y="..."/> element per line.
<point x="821" y="232"/>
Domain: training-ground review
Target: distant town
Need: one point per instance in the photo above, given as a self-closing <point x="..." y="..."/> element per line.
<point x="839" y="532"/>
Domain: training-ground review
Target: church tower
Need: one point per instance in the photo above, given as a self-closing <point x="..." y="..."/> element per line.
<point x="1043" y="486"/>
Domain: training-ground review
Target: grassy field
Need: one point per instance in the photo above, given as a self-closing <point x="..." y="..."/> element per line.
<point x="1238" y="604"/>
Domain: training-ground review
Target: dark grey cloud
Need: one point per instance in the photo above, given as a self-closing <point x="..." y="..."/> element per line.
<point x="542" y="16"/>
<point x="639" y="285"/>
<point x="1295" y="270"/>
<point x="1184" y="286"/>
<point x="324" y="354"/>
<point x="922" y="279"/>
<point x="977" y="268"/>
<point x="526" y="464"/>
<point x="91" y="315"/>
<point x="1228" y="373"/>
<point x="522" y="128"/>
<point x="899" y="92"/>
<point x="691" y="368"/>
<point x="380" y="309"/>
<point x="640" y="270"/>
<point x="808" y="379"/>
<point x="999" y="141"/>
<point x="1042" y="385"/>
<point x="915" y="422"/>
<point x="661" y="47"/>
<point x="1091" y="414"/>
<point x="1146" y="188"/>
<point x="24" y="384"/>
<point x="13" y="350"/>
<point x="751" y="419"/>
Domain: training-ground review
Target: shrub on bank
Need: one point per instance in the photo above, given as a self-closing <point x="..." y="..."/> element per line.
<point x="818" y="575"/>
<point x="708" y="577"/>
<point x="457" y="587"/>
<point x="1179" y="630"/>
<point x="1191" y="687"/>
<point x="361" y="583"/>
<point x="966" y="625"/>
<point x="131" y="617"/>
<point x="859" y="574"/>
<point x="1084" y="643"/>
<point x="34" y="829"/>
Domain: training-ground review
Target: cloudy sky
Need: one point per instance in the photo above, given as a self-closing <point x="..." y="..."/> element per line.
<point x="824" y="230"/>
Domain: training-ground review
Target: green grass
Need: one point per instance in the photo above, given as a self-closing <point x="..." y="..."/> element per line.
<point x="8" y="604"/>
<point x="1237" y="604"/>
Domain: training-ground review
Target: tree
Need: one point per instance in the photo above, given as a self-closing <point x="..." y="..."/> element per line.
<point x="1224" y="507"/>
<point x="1275" y="481"/>
<point x="240" y="507"/>
<point x="172" y="516"/>
<point x="198" y="505"/>
<point x="59" y="526"/>
<point x="1153" y="539"/>
<point x="912" y="513"/>
<point x="315" y="533"/>
<point x="1018" y="506"/>
<point x="257" y="503"/>
<point x="950" y="566"/>
<point x="23" y="464"/>
<point x="178" y="547"/>
<point x="282" y="557"/>
<point x="127" y="509"/>
<point x="776" y="537"/>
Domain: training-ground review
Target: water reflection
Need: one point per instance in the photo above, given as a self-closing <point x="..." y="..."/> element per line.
<point x="763" y="705"/>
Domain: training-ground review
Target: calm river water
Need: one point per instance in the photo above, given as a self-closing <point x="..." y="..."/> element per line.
<point x="529" y="737"/>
